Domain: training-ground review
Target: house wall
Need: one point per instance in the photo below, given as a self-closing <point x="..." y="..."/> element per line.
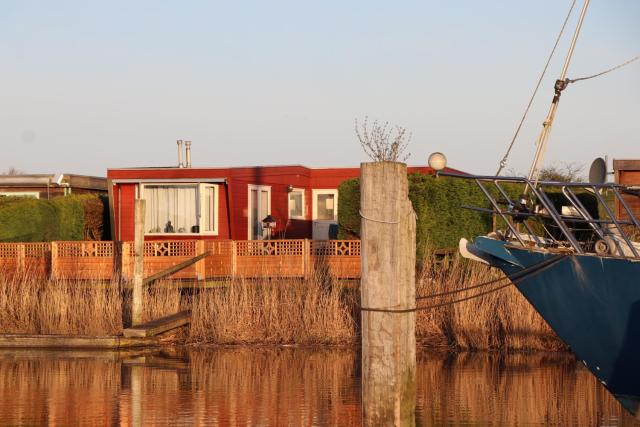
<point x="233" y="197"/>
<point x="627" y="172"/>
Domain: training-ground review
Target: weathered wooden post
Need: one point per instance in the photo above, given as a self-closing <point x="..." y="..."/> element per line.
<point x="138" y="262"/>
<point x="388" y="228"/>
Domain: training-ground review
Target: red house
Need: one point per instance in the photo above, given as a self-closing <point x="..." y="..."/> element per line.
<point x="230" y="203"/>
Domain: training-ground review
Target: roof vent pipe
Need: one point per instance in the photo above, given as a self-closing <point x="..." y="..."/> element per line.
<point x="187" y="145"/>
<point x="180" y="164"/>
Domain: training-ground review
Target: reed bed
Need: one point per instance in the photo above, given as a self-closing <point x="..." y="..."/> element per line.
<point x="286" y="311"/>
<point x="316" y="311"/>
<point x="503" y="319"/>
<point x="29" y="305"/>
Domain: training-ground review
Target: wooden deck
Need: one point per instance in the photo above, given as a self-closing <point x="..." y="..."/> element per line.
<point x="104" y="261"/>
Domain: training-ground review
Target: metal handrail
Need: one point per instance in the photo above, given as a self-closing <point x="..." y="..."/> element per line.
<point x="597" y="225"/>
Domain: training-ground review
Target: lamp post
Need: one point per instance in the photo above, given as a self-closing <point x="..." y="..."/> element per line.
<point x="269" y="223"/>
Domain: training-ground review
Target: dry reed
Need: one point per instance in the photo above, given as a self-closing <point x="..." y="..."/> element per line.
<point x="30" y="305"/>
<point x="313" y="311"/>
<point x="499" y="320"/>
<point x="280" y="311"/>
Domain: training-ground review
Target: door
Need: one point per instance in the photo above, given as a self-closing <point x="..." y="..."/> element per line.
<point x="325" y="214"/>
<point x="259" y="208"/>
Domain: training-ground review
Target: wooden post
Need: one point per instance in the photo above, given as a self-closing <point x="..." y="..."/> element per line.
<point x="200" y="265"/>
<point x="138" y="260"/>
<point x="21" y="259"/>
<point x="307" y="258"/>
<point x="112" y="216"/>
<point x="234" y="259"/>
<point x="125" y="260"/>
<point x="54" y="260"/>
<point x="388" y="229"/>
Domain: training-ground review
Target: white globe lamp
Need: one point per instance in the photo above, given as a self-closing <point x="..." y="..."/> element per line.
<point x="437" y="161"/>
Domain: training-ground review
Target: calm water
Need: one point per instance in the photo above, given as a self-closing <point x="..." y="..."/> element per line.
<point x="288" y="386"/>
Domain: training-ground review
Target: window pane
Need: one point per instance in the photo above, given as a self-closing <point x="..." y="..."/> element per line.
<point x="295" y="204"/>
<point x="209" y="209"/>
<point x="325" y="206"/>
<point x="170" y="208"/>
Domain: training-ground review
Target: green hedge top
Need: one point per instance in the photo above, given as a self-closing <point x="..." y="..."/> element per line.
<point x="75" y="217"/>
<point x="441" y="219"/>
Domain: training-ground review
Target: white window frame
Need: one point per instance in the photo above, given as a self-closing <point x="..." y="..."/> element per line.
<point x="314" y="203"/>
<point x="304" y="204"/>
<point x="199" y="208"/>
<point x="201" y="191"/>
<point x="258" y="188"/>
<point x="35" y="194"/>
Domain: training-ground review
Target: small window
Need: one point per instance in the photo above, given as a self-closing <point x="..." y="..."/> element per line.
<point x="325" y="205"/>
<point x="296" y="204"/>
<point x="209" y="209"/>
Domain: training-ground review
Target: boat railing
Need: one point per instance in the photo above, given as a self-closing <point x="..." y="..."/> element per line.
<point x="578" y="228"/>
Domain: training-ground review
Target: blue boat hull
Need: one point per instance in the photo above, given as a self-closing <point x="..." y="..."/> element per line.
<point x="591" y="302"/>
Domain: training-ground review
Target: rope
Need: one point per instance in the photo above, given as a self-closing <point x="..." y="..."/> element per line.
<point x="521" y="275"/>
<point x="457" y="291"/>
<point x="605" y="71"/>
<point x="503" y="162"/>
<point x="377" y="220"/>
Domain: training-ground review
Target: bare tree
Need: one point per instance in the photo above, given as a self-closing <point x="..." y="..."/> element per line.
<point x="562" y="172"/>
<point x="12" y="171"/>
<point x="382" y="142"/>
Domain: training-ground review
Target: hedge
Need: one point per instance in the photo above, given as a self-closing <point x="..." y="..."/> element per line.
<point x="441" y="220"/>
<point x="76" y="217"/>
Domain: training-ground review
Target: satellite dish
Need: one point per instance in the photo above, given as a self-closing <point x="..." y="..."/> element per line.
<point x="598" y="171"/>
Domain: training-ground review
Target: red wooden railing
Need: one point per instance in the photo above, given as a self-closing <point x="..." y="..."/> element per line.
<point x="226" y="259"/>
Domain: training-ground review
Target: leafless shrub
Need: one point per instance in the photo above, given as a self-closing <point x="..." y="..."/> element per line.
<point x="562" y="172"/>
<point x="383" y="142"/>
<point x="12" y="172"/>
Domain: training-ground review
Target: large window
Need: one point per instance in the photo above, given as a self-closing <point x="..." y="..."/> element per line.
<point x="296" y="204"/>
<point x="181" y="208"/>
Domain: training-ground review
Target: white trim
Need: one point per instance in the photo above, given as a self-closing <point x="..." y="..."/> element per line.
<point x="304" y="204"/>
<point x="35" y="194"/>
<point x="199" y="207"/>
<point x="259" y="188"/>
<point x="314" y="203"/>
<point x="201" y="217"/>
<point x="169" y="180"/>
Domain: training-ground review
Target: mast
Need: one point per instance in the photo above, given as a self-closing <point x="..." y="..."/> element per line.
<point x="560" y="85"/>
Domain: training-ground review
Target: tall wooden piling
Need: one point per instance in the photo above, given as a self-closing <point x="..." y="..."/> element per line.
<point x="388" y="228"/>
<point x="138" y="262"/>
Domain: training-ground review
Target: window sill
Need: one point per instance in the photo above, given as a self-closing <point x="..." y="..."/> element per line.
<point x="181" y="234"/>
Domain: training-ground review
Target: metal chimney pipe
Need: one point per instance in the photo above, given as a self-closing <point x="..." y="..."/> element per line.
<point x="187" y="145"/>
<point x="180" y="164"/>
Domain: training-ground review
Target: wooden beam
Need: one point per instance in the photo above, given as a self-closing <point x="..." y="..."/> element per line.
<point x="72" y="341"/>
<point x="171" y="270"/>
<point x="159" y="326"/>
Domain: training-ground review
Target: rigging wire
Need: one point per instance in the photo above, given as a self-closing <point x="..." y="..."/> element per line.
<point x="604" y="72"/>
<point x="503" y="162"/>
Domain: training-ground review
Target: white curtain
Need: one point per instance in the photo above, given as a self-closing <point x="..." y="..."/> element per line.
<point x="171" y="208"/>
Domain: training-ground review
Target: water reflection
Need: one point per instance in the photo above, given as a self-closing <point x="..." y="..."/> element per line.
<point x="287" y="386"/>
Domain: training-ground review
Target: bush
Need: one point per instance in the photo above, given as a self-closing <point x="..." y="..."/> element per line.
<point x="63" y="218"/>
<point x="441" y="221"/>
<point x="441" y="218"/>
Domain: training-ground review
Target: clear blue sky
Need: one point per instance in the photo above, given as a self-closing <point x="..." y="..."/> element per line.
<point x="88" y="85"/>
